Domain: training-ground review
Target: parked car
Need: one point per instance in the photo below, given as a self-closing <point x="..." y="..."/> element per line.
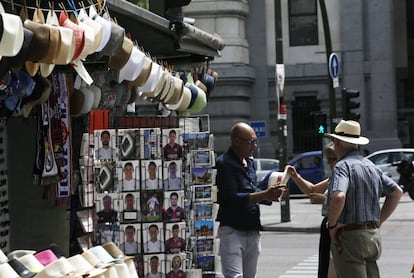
<point x="264" y="165"/>
<point x="308" y="164"/>
<point x="384" y="158"/>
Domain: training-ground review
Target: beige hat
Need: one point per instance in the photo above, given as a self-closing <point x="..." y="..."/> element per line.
<point x="40" y="45"/>
<point x="119" y="60"/>
<point x="61" y="268"/>
<point x="115" y="252"/>
<point x="106" y="27"/>
<point x="81" y="265"/>
<point x="350" y="132"/>
<point x="16" y="254"/>
<point x="94" y="260"/>
<point x="176" y="91"/>
<point x="133" y="66"/>
<point x="155" y="75"/>
<point x="95" y="26"/>
<point x="185" y="100"/>
<point x="55" y="41"/>
<point x="30" y="261"/>
<point x="12" y="38"/>
<point x="160" y="84"/>
<point x="67" y="46"/>
<point x="143" y="75"/>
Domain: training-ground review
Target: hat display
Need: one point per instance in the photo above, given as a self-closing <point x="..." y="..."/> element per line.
<point x="350" y="132"/>
<point x="12" y="38"/>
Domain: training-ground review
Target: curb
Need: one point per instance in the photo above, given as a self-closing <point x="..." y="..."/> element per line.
<point x="291" y="229"/>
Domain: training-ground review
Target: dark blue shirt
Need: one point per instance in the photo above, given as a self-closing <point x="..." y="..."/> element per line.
<point x="235" y="183"/>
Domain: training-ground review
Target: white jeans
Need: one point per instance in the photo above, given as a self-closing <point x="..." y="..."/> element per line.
<point x="239" y="252"/>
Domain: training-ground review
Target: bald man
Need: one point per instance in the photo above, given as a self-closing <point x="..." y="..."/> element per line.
<point x="239" y="197"/>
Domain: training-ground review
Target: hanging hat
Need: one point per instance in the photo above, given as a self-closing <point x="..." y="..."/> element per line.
<point x="47" y="67"/>
<point x="6" y="271"/>
<point x="194" y="93"/>
<point x="81" y="265"/>
<point x="3" y="257"/>
<point x="132" y="67"/>
<point x="115" y="42"/>
<point x="41" y="93"/>
<point x="155" y="75"/>
<point x="60" y="268"/>
<point x="199" y="103"/>
<point x="106" y="27"/>
<point x="89" y="99"/>
<point x="94" y="26"/>
<point x="160" y="84"/>
<point x="12" y="34"/>
<point x="143" y="75"/>
<point x="89" y="40"/>
<point x="350" y="132"/>
<point x="20" y="269"/>
<point x="97" y="94"/>
<point x="78" y="33"/>
<point x="95" y="260"/>
<point x="18" y="253"/>
<point x="174" y="95"/>
<point x="31" y="263"/>
<point x="20" y="58"/>
<point x="119" y="60"/>
<point x="168" y="88"/>
<point x="40" y="45"/>
<point x="185" y="100"/>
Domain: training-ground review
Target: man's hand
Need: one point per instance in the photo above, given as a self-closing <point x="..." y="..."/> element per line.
<point x="276" y="192"/>
<point x="317" y="198"/>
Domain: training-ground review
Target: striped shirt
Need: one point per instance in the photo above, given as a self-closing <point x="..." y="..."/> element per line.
<point x="364" y="184"/>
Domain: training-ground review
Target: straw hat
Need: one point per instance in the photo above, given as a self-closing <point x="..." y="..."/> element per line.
<point x="119" y="60"/>
<point x="81" y="265"/>
<point x="182" y="105"/>
<point x="350" y="132"/>
<point x="115" y="41"/>
<point x="20" y="58"/>
<point x="133" y="66"/>
<point x="106" y="28"/>
<point x="30" y="261"/>
<point x="176" y="91"/>
<point x="20" y="269"/>
<point x="60" y="268"/>
<point x="39" y="47"/>
<point x="6" y="271"/>
<point x="78" y="33"/>
<point x="143" y="75"/>
<point x="95" y="26"/>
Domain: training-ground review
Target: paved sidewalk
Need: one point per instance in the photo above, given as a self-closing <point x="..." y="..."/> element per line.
<point x="304" y="216"/>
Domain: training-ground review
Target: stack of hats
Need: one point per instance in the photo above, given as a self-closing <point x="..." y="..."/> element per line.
<point x="106" y="261"/>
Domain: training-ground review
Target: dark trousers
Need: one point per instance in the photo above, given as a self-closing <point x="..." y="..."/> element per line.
<point x="324" y="250"/>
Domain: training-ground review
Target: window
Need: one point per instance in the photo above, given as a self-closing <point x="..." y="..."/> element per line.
<point x="303" y="22"/>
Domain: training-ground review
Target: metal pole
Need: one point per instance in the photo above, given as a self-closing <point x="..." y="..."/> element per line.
<point x="328" y="50"/>
<point x="281" y="122"/>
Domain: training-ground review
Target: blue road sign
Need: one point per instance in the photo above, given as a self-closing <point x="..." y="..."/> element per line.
<point x="259" y="127"/>
<point x="333" y="65"/>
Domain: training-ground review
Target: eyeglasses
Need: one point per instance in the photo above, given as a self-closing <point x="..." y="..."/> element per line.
<point x="331" y="159"/>
<point x="251" y="141"/>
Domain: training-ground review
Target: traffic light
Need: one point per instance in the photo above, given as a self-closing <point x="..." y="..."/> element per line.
<point x="320" y="123"/>
<point x="349" y="104"/>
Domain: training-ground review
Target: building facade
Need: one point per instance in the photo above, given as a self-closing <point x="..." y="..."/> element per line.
<point x="371" y="38"/>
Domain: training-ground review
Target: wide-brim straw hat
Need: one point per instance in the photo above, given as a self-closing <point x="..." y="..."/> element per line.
<point x="119" y="60"/>
<point x="350" y="132"/>
<point x="133" y="66"/>
<point x="12" y="38"/>
<point x="81" y="265"/>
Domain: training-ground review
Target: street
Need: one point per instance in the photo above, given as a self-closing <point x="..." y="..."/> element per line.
<point x="288" y="254"/>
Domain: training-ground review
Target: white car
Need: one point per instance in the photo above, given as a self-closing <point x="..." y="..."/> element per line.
<point x="384" y="159"/>
<point x="264" y="165"/>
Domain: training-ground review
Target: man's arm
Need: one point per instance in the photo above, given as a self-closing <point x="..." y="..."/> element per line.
<point x="272" y="193"/>
<point x="390" y="203"/>
<point x="336" y="205"/>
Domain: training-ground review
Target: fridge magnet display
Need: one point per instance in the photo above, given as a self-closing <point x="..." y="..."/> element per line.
<point x="151" y="205"/>
<point x="172" y="142"/>
<point x="105" y="147"/>
<point x="204" y="227"/>
<point x="128" y="175"/>
<point x="150" y="143"/>
<point x="175" y="237"/>
<point x="201" y="175"/>
<point x="130" y="238"/>
<point x="175" y="265"/>
<point x="131" y="207"/>
<point x="153" y="237"/>
<point x="154" y="265"/>
<point x="151" y="174"/>
<point x="128" y="141"/>
<point x="173" y="206"/>
<point x="173" y="175"/>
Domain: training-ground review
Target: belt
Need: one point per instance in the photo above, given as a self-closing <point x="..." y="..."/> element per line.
<point x="366" y="226"/>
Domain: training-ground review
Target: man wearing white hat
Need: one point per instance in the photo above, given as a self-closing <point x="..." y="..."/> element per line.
<point x="355" y="214"/>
